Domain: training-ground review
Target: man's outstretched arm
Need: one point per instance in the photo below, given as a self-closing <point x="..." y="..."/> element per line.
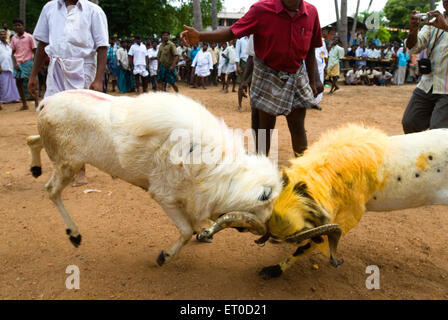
<point x="191" y="36"/>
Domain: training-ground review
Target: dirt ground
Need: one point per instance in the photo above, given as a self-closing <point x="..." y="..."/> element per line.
<point x="124" y="230"/>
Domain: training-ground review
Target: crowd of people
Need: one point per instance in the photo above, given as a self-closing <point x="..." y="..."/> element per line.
<point x="373" y="65"/>
<point x="134" y="63"/>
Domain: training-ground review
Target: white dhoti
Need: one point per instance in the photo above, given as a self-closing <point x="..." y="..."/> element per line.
<point x="141" y="70"/>
<point x="67" y="74"/>
<point x="202" y="70"/>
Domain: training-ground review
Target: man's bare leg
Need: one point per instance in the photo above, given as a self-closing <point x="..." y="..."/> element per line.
<point x="19" y="84"/>
<point x="80" y="179"/>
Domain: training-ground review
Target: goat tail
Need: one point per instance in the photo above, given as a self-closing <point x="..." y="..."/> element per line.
<point x="35" y="145"/>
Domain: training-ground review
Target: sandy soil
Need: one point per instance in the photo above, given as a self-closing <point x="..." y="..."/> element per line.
<point x="123" y="229"/>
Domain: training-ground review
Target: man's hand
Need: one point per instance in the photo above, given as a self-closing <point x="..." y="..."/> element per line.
<point x="96" y="85"/>
<point x="32" y="86"/>
<point x="1" y="70"/>
<point x="439" y="22"/>
<point x="242" y="90"/>
<point x="414" y="21"/>
<point x="16" y="66"/>
<point x="171" y="68"/>
<point x="319" y="88"/>
<point x="190" y="36"/>
<point x="238" y="69"/>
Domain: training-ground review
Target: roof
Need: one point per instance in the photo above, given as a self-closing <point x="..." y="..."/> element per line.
<point x="230" y="15"/>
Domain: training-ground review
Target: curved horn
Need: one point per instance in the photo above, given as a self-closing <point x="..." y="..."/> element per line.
<point x="234" y="219"/>
<point x="332" y="231"/>
<point x="327" y="229"/>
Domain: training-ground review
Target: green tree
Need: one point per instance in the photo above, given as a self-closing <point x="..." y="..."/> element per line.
<point x="398" y="12"/>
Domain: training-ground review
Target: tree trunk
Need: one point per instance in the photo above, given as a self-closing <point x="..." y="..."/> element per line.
<point x="214" y="14"/>
<point x="197" y="15"/>
<point x="343" y="31"/>
<point x="336" y="8"/>
<point x="432" y="5"/>
<point x="355" y="21"/>
<point x="22" y="12"/>
<point x="370" y="4"/>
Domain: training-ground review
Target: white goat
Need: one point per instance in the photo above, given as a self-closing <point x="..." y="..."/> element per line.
<point x="132" y="138"/>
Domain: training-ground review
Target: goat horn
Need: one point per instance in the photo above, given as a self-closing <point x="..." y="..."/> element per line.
<point x="234" y="219"/>
<point x="332" y="231"/>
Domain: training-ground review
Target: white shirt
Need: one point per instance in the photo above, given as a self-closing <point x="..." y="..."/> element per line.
<point x="77" y="34"/>
<point x="203" y="59"/>
<point x="153" y="64"/>
<point x="374" y="53"/>
<point x="5" y="57"/>
<point x="360" y="52"/>
<point x="122" y="58"/>
<point x="250" y="46"/>
<point x="352" y="75"/>
<point x="230" y="53"/>
<point x="241" y="49"/>
<point x="139" y="53"/>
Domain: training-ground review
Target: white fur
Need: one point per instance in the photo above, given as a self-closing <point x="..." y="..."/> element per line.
<point x="130" y="138"/>
<point x="415" y="172"/>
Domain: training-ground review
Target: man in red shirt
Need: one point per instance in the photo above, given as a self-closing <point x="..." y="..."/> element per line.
<point x="285" y="34"/>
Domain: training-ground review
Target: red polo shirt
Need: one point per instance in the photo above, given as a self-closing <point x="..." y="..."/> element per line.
<point x="280" y="41"/>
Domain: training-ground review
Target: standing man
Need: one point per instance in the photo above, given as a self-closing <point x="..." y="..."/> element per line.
<point x="214" y="51"/>
<point x="167" y="57"/>
<point x="333" y="70"/>
<point x="74" y="35"/>
<point x="123" y="67"/>
<point x="23" y="49"/>
<point x="428" y="107"/>
<point x="8" y="89"/>
<point x="153" y="64"/>
<point x="137" y="57"/>
<point x="400" y="75"/>
<point x="204" y="64"/>
<point x="112" y="63"/>
<point x="286" y="32"/>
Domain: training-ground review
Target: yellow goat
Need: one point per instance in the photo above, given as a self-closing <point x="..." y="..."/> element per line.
<point x="349" y="171"/>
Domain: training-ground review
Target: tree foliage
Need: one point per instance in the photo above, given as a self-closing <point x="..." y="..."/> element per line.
<point x="126" y="18"/>
<point x="398" y="12"/>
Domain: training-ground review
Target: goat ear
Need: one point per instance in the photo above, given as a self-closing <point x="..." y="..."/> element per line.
<point x="285" y="179"/>
<point x="266" y="194"/>
<point x="301" y="189"/>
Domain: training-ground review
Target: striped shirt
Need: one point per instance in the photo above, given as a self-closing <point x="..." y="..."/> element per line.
<point x="438" y="79"/>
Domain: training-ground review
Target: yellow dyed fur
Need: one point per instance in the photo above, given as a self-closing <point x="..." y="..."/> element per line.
<point x="341" y="172"/>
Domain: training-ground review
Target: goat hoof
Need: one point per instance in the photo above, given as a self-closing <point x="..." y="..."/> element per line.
<point x="271" y="272"/>
<point x="336" y="262"/>
<point x="36" y="171"/>
<point x="76" y="241"/>
<point x="161" y="259"/>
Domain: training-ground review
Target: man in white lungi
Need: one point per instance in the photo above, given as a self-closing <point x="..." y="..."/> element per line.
<point x="137" y="57"/>
<point x="74" y="35"/>
<point x="204" y="63"/>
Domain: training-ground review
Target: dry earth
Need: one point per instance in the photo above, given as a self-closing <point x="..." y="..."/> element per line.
<point x="124" y="229"/>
